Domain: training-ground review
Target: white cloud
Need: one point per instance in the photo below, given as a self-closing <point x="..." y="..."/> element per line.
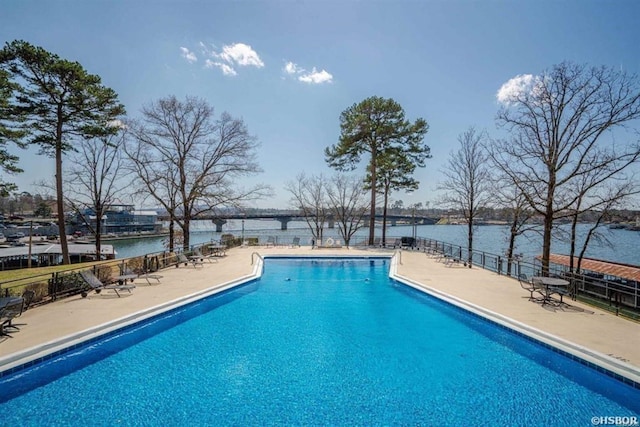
<point x="227" y="70"/>
<point x="241" y="54"/>
<point x="188" y="55"/>
<point x="316" y="77"/>
<point x="227" y="59"/>
<point x="291" y="68"/>
<point x="312" y="77"/>
<point x="516" y="87"/>
<point x="116" y="124"/>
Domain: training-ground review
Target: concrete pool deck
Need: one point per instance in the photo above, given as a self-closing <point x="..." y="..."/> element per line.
<point x="578" y="323"/>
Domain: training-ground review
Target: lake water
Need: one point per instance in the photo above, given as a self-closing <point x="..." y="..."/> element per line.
<point x="491" y="239"/>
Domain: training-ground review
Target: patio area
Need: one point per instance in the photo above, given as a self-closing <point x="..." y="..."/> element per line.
<point x="587" y="327"/>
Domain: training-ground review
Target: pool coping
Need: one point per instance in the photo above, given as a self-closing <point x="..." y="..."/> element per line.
<point x="601" y="362"/>
<point x="22" y="359"/>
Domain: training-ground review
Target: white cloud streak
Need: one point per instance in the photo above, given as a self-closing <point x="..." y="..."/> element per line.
<point x="316" y="77"/>
<point x="241" y="54"/>
<point x="311" y="77"/>
<point x="291" y="68"/>
<point x="227" y="59"/>
<point x="188" y="55"/>
<point x="227" y="70"/>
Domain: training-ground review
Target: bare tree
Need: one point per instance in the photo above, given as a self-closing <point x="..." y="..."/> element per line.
<point x="156" y="178"/>
<point x="60" y="104"/>
<point x="467" y="180"/>
<point x="348" y="203"/>
<point x="95" y="180"/>
<point x="557" y="123"/>
<point x="309" y="195"/>
<point x="190" y="162"/>
<point x="509" y="197"/>
<point x="599" y="201"/>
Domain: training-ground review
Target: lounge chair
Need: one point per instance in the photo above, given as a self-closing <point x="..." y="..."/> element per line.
<point x="194" y="260"/>
<point x="527" y="285"/>
<point x="271" y="242"/>
<point x="393" y="243"/>
<point x="210" y="257"/>
<point x="295" y="243"/>
<point x="27" y="298"/>
<point x="148" y="276"/>
<point x="219" y="250"/>
<point x="97" y="285"/>
<point x="12" y="309"/>
<point x="127" y="273"/>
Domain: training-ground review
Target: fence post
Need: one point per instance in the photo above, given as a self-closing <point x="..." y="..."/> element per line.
<point x="54" y="285"/>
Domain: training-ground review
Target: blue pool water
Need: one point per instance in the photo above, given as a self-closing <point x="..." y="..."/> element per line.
<point x="314" y="342"/>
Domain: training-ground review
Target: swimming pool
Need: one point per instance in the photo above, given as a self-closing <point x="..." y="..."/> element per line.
<point x="314" y="341"/>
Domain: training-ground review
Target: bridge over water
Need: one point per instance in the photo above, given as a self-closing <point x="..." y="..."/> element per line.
<point x="285" y="218"/>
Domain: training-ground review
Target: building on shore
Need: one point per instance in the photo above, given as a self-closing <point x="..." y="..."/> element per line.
<point x="44" y="254"/>
<point x="119" y="219"/>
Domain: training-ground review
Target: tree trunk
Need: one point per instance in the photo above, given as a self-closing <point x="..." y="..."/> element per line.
<point x="572" y="246"/>
<point x="98" y="236"/>
<point x="548" y="223"/>
<point x="98" y="239"/>
<point x="62" y="231"/>
<point x="172" y="236"/>
<point x="546" y="242"/>
<point x="372" y="214"/>
<point x="384" y="219"/>
<point x="470" y="240"/>
<point x="512" y="244"/>
<point x="185" y="232"/>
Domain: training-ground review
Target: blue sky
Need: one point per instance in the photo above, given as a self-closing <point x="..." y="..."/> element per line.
<point x="289" y="68"/>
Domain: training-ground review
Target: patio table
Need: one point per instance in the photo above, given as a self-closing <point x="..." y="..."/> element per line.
<point x="549" y="286"/>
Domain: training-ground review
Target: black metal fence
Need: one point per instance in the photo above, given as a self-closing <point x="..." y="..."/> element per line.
<point x="620" y="296"/>
<point x="51" y="286"/>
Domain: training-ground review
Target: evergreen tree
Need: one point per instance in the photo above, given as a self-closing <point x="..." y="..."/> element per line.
<point x="375" y="126"/>
<point x="59" y="105"/>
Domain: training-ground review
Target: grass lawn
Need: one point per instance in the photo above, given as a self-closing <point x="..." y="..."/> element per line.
<point x="23" y="276"/>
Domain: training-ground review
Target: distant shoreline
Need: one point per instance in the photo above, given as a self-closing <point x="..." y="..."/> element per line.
<point x="127" y="237"/>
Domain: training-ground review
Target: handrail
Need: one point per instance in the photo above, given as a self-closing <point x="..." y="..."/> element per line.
<point x="399" y="253"/>
<point x="259" y="256"/>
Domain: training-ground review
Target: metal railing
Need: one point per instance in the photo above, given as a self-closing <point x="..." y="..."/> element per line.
<point x="618" y="296"/>
<point x="621" y="297"/>
<point x="65" y="282"/>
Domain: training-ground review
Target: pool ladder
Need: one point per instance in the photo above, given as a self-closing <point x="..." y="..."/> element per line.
<point x="258" y="255"/>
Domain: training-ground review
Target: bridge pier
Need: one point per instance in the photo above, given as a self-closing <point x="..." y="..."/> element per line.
<point x="284" y="220"/>
<point x="219" y="223"/>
